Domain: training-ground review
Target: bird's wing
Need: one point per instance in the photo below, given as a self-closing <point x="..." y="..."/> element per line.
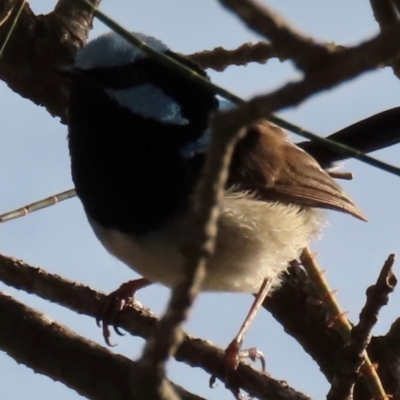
<point x="268" y="165"/>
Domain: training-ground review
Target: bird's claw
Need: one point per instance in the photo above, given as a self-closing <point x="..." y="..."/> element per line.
<point x="232" y="358"/>
<point x="114" y="303"/>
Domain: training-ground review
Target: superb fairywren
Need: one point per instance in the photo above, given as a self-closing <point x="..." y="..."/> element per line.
<point x="138" y="137"/>
<point x="133" y="131"/>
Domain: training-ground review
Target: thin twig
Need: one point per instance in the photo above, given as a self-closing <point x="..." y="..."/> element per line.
<point x="339" y="320"/>
<point x="288" y="43"/>
<point x="377" y="297"/>
<point x="351" y="358"/>
<point x="219" y="58"/>
<point x="37" y="205"/>
<point x="12" y="26"/>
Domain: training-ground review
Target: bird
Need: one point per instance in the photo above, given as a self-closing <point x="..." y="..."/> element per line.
<point x="138" y="136"/>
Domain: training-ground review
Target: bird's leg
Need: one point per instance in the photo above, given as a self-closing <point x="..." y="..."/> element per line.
<point x="115" y="302"/>
<point x="233" y="352"/>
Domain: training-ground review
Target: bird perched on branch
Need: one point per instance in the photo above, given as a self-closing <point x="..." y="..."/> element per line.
<point x="138" y="137"/>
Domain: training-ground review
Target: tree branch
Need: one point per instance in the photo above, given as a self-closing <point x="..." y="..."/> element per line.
<point x="139" y="322"/>
<point x="350" y="360"/>
<point x="386" y="13"/>
<point x="219" y="58"/>
<point x="55" y="351"/>
<point x="286" y="42"/>
<point x="38" y="44"/>
<point x="342" y="66"/>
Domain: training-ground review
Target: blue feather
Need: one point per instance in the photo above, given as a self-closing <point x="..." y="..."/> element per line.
<point x="149" y="101"/>
<point x="111" y="50"/>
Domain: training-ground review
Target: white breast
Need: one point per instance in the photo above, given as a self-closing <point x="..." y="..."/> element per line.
<point x="256" y="240"/>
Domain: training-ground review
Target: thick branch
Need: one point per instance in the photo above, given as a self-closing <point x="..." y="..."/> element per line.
<point x="55" y="351"/>
<point x="139" y="322"/>
<point x="38" y="44"/>
<point x="386" y="13"/>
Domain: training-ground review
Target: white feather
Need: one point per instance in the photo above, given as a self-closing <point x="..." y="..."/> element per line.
<point x="256" y="240"/>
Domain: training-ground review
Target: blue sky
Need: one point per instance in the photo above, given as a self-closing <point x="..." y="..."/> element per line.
<point x="34" y="163"/>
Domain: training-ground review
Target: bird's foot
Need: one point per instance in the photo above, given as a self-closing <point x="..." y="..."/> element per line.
<point x="233" y="356"/>
<point x="114" y="303"/>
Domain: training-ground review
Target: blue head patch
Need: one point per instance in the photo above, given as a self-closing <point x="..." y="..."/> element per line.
<point x="111" y="50"/>
<point x="149" y="101"/>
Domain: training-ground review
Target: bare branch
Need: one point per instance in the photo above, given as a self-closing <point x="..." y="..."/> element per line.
<point x="37" y="205"/>
<point x="38" y="44"/>
<point x="342" y="65"/>
<point x="351" y="358"/>
<point x="139" y="322"/>
<point x="219" y="58"/>
<point x="339" y="320"/>
<point x="377" y="297"/>
<point x="53" y="350"/>
<point x="384" y="12"/>
<point x="288" y="43"/>
<point x="386" y="351"/>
